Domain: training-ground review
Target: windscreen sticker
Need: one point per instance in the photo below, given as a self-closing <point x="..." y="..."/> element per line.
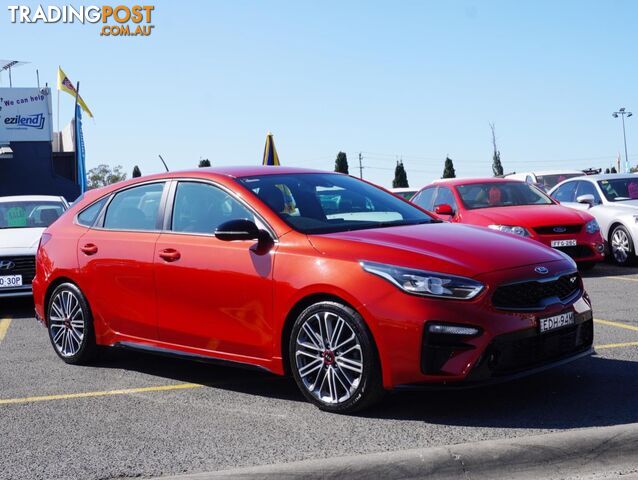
<point x="17" y="217"/>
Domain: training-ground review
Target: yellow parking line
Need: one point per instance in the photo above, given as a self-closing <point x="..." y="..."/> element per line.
<point x="616" y="324"/>
<point x="617" y="345"/>
<point x="615" y="277"/>
<point x="4" y="326"/>
<point x="126" y="391"/>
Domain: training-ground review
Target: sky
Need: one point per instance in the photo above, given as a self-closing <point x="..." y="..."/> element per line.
<point x="410" y="80"/>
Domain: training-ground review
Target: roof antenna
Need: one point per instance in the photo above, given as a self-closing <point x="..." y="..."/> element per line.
<point x="163" y="162"/>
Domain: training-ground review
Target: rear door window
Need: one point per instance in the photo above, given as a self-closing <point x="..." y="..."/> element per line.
<point x="135" y="208"/>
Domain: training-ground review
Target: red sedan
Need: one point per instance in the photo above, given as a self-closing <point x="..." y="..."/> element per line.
<point x="341" y="284"/>
<point x="518" y="208"/>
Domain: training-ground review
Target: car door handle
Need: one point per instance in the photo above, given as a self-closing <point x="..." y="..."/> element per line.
<point x="169" y="254"/>
<point x="89" y="249"/>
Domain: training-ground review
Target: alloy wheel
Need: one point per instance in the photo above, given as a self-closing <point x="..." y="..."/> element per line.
<point x="67" y="323"/>
<point x="329" y="357"/>
<point x="620" y="245"/>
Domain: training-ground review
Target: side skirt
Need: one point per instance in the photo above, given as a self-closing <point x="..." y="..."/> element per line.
<point x="169" y="352"/>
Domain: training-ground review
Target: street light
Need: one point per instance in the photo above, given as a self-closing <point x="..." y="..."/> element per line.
<point x="622" y="112"/>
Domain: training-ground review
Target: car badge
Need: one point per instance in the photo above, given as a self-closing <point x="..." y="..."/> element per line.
<point x="542" y="270"/>
<point x="559" y="229"/>
<point x="6" y="265"/>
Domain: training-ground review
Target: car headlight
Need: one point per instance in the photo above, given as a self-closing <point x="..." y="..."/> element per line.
<point x="516" y="230"/>
<point x="429" y="284"/>
<point x="592" y="227"/>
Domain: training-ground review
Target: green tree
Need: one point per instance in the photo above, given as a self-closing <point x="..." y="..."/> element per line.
<point x="448" y="170"/>
<point x="400" y="176"/>
<point x="341" y="163"/>
<point x="204" y="162"/>
<point x="136" y="172"/>
<point x="497" y="167"/>
<point x="103" y="175"/>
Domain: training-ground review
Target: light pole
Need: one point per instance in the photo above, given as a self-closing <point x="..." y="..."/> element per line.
<point x="622" y="112"/>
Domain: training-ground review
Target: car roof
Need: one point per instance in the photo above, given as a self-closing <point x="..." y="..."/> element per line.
<point x="467" y="181"/>
<point x="549" y="172"/>
<point x="31" y="198"/>
<point x="610" y="176"/>
<point x="249" y="171"/>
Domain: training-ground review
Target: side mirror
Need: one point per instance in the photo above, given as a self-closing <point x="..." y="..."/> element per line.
<point x="587" y="198"/>
<point x="444" y="209"/>
<point x="237" y="230"/>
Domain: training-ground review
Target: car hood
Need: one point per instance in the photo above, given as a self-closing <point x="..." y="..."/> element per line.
<point x="530" y="216"/>
<point x="452" y="248"/>
<point x="630" y="206"/>
<point x="19" y="238"/>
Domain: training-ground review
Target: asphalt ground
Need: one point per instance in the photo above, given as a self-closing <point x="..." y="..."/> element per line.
<point x="133" y="414"/>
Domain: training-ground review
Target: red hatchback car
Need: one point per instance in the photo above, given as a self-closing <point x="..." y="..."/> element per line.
<point x="519" y="208"/>
<point x="326" y="277"/>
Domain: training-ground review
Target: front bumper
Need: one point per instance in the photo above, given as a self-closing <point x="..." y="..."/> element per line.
<point x="24" y="291"/>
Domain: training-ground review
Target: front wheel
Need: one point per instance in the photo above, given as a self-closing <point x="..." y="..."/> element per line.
<point x="622" y="246"/>
<point x="333" y="359"/>
<point x="70" y="325"/>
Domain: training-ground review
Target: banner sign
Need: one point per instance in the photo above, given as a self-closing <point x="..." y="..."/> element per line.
<point x="25" y="115"/>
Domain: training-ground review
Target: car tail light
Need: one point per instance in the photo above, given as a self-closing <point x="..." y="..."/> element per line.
<point x="44" y="239"/>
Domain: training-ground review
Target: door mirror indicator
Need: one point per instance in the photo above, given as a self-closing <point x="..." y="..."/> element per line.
<point x="444" y="209"/>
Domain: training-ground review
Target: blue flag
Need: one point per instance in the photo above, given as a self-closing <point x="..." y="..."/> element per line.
<point x="79" y="149"/>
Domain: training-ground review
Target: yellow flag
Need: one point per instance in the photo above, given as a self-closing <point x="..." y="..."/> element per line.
<point x="67" y="86"/>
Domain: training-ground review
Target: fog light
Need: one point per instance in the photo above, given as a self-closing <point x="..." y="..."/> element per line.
<point x="446" y="329"/>
<point x="600" y="248"/>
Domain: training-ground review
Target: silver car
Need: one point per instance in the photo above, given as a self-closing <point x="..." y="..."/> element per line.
<point x="613" y="200"/>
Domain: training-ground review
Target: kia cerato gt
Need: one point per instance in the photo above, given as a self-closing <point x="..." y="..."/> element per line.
<point x="339" y="283"/>
<point x="519" y="208"/>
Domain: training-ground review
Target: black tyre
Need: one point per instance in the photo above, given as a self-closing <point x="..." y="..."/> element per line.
<point x="333" y="358"/>
<point x="70" y="325"/>
<point x="621" y="246"/>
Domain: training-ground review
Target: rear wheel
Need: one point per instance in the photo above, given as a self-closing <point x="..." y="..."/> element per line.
<point x="70" y="325"/>
<point x="622" y="246"/>
<point x="333" y="359"/>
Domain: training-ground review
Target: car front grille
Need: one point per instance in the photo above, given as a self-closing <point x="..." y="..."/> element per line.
<point x="568" y="229"/>
<point x="507" y="355"/>
<point x="23" y="265"/>
<point x="534" y="295"/>
<point x="577" y="251"/>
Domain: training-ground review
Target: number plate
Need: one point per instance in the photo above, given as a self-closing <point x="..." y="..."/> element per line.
<point x="556" y="322"/>
<point x="8" y="281"/>
<point x="563" y="243"/>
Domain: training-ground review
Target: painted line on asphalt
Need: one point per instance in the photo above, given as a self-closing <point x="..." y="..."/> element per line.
<point x="4" y="326"/>
<point x="616" y="345"/>
<point x="616" y="324"/>
<point x="125" y="391"/>
<point x="617" y="277"/>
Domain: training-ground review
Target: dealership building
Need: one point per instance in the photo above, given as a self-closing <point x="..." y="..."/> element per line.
<point x="35" y="160"/>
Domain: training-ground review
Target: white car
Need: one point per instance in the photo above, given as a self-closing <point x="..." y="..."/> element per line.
<point x="22" y="221"/>
<point x="404" y="192"/>
<point x="546" y="179"/>
<point x="613" y="200"/>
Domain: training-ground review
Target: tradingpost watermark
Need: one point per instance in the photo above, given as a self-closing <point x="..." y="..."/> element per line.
<point x="115" y="20"/>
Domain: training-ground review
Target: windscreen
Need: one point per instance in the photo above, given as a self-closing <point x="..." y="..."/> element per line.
<point x="620" y="189"/>
<point x="325" y="203"/>
<point x="501" y="194"/>
<point x="26" y="214"/>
